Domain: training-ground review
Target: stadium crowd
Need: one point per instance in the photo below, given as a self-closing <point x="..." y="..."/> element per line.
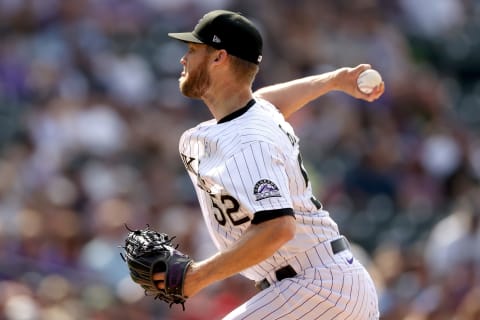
<point x="90" y="117"/>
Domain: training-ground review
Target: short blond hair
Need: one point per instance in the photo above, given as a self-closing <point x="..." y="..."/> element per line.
<point x="243" y="69"/>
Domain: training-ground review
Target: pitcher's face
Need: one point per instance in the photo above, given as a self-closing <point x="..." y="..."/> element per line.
<point x="194" y="79"/>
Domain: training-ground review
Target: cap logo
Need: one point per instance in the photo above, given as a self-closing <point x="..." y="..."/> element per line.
<point x="259" y="59"/>
<point x="216" y="39"/>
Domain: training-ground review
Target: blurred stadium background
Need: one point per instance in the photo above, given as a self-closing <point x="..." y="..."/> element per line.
<point x="90" y="117"/>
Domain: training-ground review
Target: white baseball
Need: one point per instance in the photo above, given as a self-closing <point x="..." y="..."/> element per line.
<point x="368" y="79"/>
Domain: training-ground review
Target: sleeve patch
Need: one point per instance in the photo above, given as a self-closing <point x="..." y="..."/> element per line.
<point x="265" y="189"/>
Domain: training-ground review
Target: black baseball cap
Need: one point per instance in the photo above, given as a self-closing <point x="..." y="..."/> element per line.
<point x="222" y="29"/>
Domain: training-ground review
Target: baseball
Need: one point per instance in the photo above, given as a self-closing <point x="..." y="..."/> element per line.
<point x="368" y="79"/>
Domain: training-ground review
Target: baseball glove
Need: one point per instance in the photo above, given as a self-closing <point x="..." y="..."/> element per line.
<point x="148" y="252"/>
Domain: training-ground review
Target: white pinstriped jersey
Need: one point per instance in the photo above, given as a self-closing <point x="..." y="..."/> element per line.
<point x="246" y="167"/>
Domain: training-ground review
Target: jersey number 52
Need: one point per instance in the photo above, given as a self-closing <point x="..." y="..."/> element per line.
<point x="225" y="207"/>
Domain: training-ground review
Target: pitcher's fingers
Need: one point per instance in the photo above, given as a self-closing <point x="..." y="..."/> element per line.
<point x="379" y="90"/>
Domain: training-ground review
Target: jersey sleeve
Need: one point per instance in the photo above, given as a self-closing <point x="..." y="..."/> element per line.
<point x="257" y="178"/>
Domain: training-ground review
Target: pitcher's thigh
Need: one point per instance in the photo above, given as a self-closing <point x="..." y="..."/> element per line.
<point x="332" y="296"/>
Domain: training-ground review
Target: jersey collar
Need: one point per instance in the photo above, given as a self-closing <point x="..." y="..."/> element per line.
<point x="237" y="113"/>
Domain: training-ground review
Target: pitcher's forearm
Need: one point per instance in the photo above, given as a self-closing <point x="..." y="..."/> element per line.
<point x="269" y="236"/>
<point x="293" y="95"/>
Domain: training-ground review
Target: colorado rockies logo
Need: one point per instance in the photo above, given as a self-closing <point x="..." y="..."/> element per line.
<point x="265" y="189"/>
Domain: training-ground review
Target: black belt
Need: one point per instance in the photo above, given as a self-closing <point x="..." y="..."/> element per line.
<point x="338" y="245"/>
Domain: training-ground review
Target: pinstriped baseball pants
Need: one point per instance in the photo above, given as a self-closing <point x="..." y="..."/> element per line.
<point x="327" y="286"/>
